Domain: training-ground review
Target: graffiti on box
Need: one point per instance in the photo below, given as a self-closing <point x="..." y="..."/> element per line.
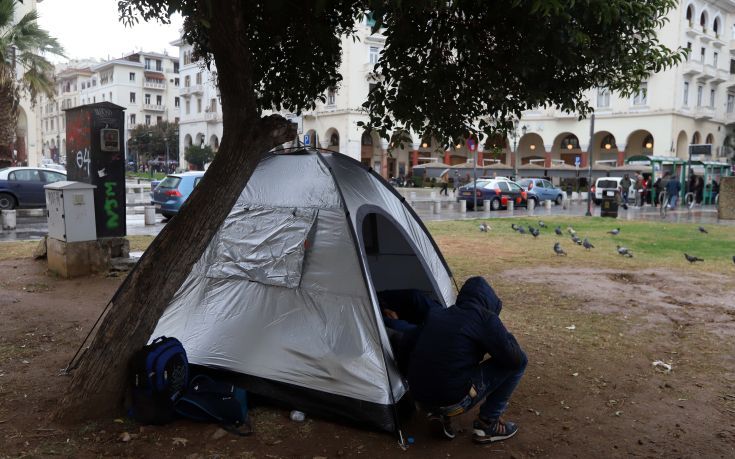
<point x="113" y="219"/>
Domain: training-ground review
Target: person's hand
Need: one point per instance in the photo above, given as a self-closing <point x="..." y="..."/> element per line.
<point x="389" y="313"/>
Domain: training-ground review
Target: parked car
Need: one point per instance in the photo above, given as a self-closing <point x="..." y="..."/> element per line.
<point x="497" y="191"/>
<point x="605" y="183"/>
<point x="23" y="186"/>
<point x="171" y="193"/>
<point x="54" y="166"/>
<point x="541" y="190"/>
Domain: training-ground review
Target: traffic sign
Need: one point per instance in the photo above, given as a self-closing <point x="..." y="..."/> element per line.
<point x="577" y="161"/>
<point x="471" y="144"/>
<point x="307" y="140"/>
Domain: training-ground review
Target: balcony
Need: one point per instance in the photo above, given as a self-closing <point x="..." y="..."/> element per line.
<point x="704" y="113"/>
<point x="730" y="117"/>
<point x="156" y="84"/>
<point x="154" y="107"/>
<point x="720" y="76"/>
<point x="692" y="31"/>
<point x="187" y="91"/>
<point x="212" y="117"/>
<point x="692" y="68"/>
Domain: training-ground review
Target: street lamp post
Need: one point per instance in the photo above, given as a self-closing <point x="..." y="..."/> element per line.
<point x="165" y="142"/>
<point x="515" y="146"/>
<point x="589" y="167"/>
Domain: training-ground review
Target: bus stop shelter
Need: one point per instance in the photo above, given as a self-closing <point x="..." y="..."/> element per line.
<point x="713" y="170"/>
<point x="658" y="165"/>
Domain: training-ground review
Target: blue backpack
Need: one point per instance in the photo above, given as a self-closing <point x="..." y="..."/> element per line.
<point x="159" y="375"/>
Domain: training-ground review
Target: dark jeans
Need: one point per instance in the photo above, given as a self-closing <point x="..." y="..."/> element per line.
<point x="493" y="384"/>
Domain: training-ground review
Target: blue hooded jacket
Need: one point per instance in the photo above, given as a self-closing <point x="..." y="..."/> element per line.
<point x="454" y="342"/>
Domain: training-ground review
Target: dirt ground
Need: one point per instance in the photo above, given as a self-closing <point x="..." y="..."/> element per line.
<point x="590" y="390"/>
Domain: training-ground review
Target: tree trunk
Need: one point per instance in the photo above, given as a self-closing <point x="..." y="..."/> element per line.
<point x="8" y="123"/>
<point x="98" y="384"/>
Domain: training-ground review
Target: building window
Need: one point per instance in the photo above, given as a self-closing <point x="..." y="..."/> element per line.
<point x="641" y="97"/>
<point x="176" y="102"/>
<point x="147" y="64"/>
<point x="176" y="82"/>
<point x="132" y="76"/>
<point x="110" y="96"/>
<point x="730" y="102"/>
<point x="199" y="105"/>
<point x="132" y="120"/>
<point x="159" y="119"/>
<point x="702" y="53"/>
<point x="715" y="55"/>
<point x="52" y="124"/>
<point x="147" y="99"/>
<point x="187" y="81"/>
<point x="686" y="93"/>
<point x="603" y="98"/>
<point x="700" y="90"/>
<point x="176" y="67"/>
<point x="711" y="98"/>
<point x="188" y="107"/>
<point x="331" y="96"/>
<point x="199" y="78"/>
<point x="148" y="120"/>
<point x="103" y="97"/>
<point x="132" y="97"/>
<point x="159" y="100"/>
<point x="372" y="87"/>
<point x="212" y="106"/>
<point x="159" y="67"/>
<point x="374" y="55"/>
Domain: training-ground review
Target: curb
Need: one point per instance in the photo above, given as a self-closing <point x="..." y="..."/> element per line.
<point x="30" y="212"/>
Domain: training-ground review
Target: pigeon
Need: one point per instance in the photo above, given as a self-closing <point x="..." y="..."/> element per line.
<point x="484" y="227"/>
<point x="534" y="231"/>
<point x="587" y="244"/>
<point x="614" y="232"/>
<point x="557" y="230"/>
<point x="692" y="259"/>
<point x="624" y="252"/>
<point x="521" y="230"/>
<point x="733" y="259"/>
<point x="559" y="251"/>
<point x="571" y="231"/>
<point x="541" y="224"/>
<point x="702" y="230"/>
<point x="513" y="225"/>
<point x="577" y="240"/>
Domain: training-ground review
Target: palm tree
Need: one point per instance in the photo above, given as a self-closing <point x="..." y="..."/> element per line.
<point x="24" y="71"/>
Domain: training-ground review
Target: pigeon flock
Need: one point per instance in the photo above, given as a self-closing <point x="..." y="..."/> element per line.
<point x="558" y="250"/>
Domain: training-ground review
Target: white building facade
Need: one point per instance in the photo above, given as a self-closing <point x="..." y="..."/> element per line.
<point x="693" y="103"/>
<point x="145" y="84"/>
<point x="201" y="111"/>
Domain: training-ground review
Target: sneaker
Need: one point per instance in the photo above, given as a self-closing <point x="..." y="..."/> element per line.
<point x="441" y="427"/>
<point x="490" y="431"/>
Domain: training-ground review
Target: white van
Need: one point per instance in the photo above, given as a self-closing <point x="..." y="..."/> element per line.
<point x="606" y="183"/>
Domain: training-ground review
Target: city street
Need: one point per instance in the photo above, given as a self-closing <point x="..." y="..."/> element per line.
<point x="29" y="228"/>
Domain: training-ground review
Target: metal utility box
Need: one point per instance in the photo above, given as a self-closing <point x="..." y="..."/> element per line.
<point x="70" y="209"/>
<point x="95" y="154"/>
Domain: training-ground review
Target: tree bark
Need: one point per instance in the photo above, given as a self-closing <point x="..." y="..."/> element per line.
<point x="98" y="384"/>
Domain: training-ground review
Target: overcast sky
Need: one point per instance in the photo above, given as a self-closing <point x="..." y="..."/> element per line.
<point x="92" y="29"/>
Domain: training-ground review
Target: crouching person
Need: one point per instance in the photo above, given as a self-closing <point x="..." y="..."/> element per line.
<point x="449" y="372"/>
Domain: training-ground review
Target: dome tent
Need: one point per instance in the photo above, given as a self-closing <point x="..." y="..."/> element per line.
<point x="285" y="295"/>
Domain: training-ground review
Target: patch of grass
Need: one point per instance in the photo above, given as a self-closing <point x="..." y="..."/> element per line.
<point x="17" y="249"/>
<point x="654" y="244"/>
<point x="140" y="243"/>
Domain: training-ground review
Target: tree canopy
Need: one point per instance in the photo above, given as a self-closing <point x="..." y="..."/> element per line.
<point x="449" y="69"/>
<point x="150" y="142"/>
